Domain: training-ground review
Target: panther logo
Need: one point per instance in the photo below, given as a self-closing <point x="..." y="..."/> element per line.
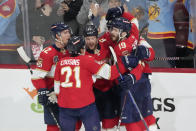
<point x="154" y="12"/>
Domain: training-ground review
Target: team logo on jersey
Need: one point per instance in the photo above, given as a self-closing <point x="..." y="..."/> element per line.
<point x="154" y="12"/>
<point x="55" y="59"/>
<point x="102" y="40"/>
<point x="6" y="8"/>
<point x="39" y="62"/>
<point x="63" y="51"/>
<point x="97" y="52"/>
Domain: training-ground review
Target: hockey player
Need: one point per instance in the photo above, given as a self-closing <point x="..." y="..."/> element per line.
<point x="119" y="12"/>
<point x="106" y="97"/>
<point x="43" y="75"/>
<point x="141" y="90"/>
<point x="73" y="85"/>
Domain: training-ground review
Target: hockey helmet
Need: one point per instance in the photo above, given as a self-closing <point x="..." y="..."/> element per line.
<point x="75" y="44"/>
<point x="57" y="28"/>
<point x="90" y="30"/>
<point x="122" y="23"/>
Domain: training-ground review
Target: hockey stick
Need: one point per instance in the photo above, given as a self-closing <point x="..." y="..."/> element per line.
<point x="130" y="94"/>
<point x="54" y="118"/>
<point x="140" y="33"/>
<point x="27" y="60"/>
<point x="125" y="97"/>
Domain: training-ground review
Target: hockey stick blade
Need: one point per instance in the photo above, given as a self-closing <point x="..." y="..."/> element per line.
<point x="25" y="58"/>
<point x="54" y="117"/>
<point x="23" y="55"/>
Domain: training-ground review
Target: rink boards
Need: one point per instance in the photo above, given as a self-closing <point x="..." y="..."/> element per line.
<point x="173" y="91"/>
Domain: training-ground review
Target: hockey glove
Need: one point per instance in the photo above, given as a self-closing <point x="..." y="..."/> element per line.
<point x="142" y="52"/>
<point x="127" y="82"/>
<point x="130" y="61"/>
<point x="42" y="96"/>
<point x="114" y="13"/>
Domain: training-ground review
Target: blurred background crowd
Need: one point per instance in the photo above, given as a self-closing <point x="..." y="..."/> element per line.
<point x="168" y="25"/>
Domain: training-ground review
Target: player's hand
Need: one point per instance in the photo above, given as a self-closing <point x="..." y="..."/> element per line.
<point x="52" y="97"/>
<point x="42" y="96"/>
<point x="65" y="7"/>
<point x="127" y="81"/>
<point x="94" y="8"/>
<point x="46" y="10"/>
<point x="60" y="11"/>
<point x="142" y="52"/>
<point x="130" y="61"/>
<point x="114" y="12"/>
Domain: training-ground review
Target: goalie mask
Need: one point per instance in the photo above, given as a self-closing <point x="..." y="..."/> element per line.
<point x="75" y="44"/>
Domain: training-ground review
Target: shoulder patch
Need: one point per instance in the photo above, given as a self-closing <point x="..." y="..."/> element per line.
<point x="102" y="40"/>
<point x="55" y="59"/>
<point x="39" y="62"/>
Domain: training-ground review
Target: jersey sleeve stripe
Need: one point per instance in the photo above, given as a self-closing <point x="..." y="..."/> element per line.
<point x="105" y="71"/>
<point x="56" y="87"/>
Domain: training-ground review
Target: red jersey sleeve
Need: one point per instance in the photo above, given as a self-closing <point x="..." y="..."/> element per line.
<point x="128" y="16"/>
<point x="143" y="42"/>
<point x="57" y="78"/>
<point x="106" y="71"/>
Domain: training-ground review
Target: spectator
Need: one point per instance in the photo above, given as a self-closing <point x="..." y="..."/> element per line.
<point x="9" y="41"/>
<point x="69" y="9"/>
<point x="161" y="31"/>
<point x="139" y="9"/>
<point x="90" y="9"/>
<point x="42" y="14"/>
<point x="184" y="34"/>
<point x="102" y="22"/>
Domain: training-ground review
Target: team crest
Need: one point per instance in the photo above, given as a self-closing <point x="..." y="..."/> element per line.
<point x="154" y="12"/>
<point x="6" y="8"/>
<point x="97" y="52"/>
<point x="55" y="59"/>
<point x="63" y="51"/>
<point x="39" y="62"/>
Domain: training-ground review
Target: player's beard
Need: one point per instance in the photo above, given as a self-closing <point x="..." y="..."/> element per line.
<point x="114" y="38"/>
<point x="64" y="42"/>
<point x="91" y="46"/>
